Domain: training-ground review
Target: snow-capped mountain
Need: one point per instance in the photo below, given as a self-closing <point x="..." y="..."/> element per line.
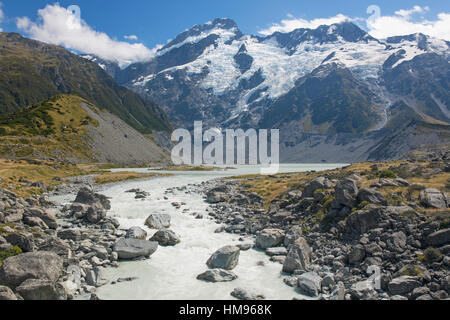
<point x="331" y="80"/>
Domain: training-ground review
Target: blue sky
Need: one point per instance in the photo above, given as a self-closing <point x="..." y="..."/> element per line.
<point x="154" y="22"/>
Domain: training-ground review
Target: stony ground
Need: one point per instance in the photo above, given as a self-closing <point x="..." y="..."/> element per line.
<point x="369" y="231"/>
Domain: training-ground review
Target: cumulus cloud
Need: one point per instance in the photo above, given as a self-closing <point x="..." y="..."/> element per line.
<point x="292" y="23"/>
<point x="58" y="25"/>
<point x="402" y="23"/>
<point x="131" y="37"/>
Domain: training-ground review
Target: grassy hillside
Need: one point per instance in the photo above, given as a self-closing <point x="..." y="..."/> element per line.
<point x="32" y="71"/>
<point x="55" y="128"/>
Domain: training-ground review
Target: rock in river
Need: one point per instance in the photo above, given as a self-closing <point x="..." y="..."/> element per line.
<point x="166" y="238"/>
<point x="269" y="238"/>
<point x="225" y="258"/>
<point x="136" y="233"/>
<point x="134" y="248"/>
<point x="217" y="275"/>
<point x="158" y="221"/>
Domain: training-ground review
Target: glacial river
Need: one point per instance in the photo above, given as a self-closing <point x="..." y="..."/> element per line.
<point x="171" y="272"/>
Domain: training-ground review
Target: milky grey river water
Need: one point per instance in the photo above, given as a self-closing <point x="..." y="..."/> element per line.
<point x="171" y="272"/>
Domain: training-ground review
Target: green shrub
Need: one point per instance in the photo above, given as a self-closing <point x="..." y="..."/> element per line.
<point x="388" y="174"/>
<point x="5" y="254"/>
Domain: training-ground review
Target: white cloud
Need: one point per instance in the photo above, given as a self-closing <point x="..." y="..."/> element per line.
<point x="402" y="24"/>
<point x="406" y="13"/>
<point x="131" y="37"/>
<point x="2" y="15"/>
<point x="293" y="23"/>
<point x="57" y="25"/>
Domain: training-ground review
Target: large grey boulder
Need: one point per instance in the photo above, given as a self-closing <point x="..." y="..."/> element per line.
<point x="41" y="289"/>
<point x="404" y="285"/>
<point x="166" y="238"/>
<point x="311" y="187"/>
<point x="439" y="238"/>
<point x="136" y="233"/>
<point x="346" y="192"/>
<point x="310" y="284"/>
<point x="361" y="221"/>
<point x="46" y="215"/>
<point x="270" y="238"/>
<point x="299" y="257"/>
<point x="433" y="198"/>
<point x="217" y="275"/>
<point x="371" y="196"/>
<point x="134" y="248"/>
<point x="33" y="265"/>
<point x="6" y="294"/>
<point x="35" y="222"/>
<point x="225" y="258"/>
<point x="158" y="221"/>
<point x="87" y="196"/>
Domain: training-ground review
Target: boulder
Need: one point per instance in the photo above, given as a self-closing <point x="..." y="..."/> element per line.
<point x="46" y="215"/>
<point x="217" y="275"/>
<point x="281" y="251"/>
<point x="404" y="285"/>
<point x="439" y="238"/>
<point x="312" y="186"/>
<point x="298" y="258"/>
<point x="166" y="238"/>
<point x="96" y="213"/>
<point x="158" y="221"/>
<point x="363" y="290"/>
<point x="346" y="192"/>
<point x="387" y="183"/>
<point x="356" y="254"/>
<point x="433" y="198"/>
<point x="6" y="294"/>
<point x="136" y="233"/>
<point x="70" y="234"/>
<point x="34" y="265"/>
<point x="361" y="221"/>
<point x="242" y="294"/>
<point x="96" y="277"/>
<point x="371" y="196"/>
<point x="40" y="289"/>
<point x="87" y="196"/>
<point x="269" y="238"/>
<point x="397" y="242"/>
<point x="225" y="258"/>
<point x="134" y="248"/>
<point x="216" y="197"/>
<point x="310" y="284"/>
<point x="402" y="182"/>
<point x="35" y="222"/>
<point x="23" y="241"/>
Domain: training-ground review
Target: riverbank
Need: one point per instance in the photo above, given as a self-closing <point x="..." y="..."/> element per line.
<point x="330" y="231"/>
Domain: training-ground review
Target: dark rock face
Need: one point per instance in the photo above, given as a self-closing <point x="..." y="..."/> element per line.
<point x="346" y="192"/>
